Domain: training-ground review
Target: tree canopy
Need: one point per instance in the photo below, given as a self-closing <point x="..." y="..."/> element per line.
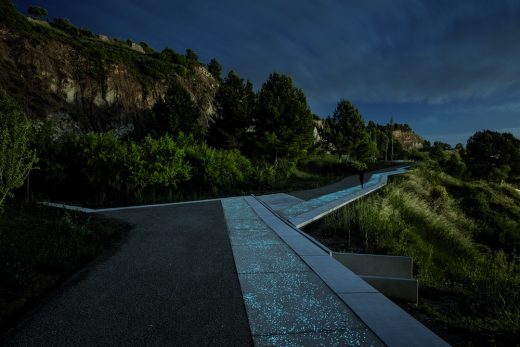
<point x="283" y="121"/>
<point x="191" y="57"/>
<point x="37" y="12"/>
<point x="215" y="68"/>
<point x="235" y="103"/>
<point x="492" y="155"/>
<point x="346" y="133"/>
<point x="177" y="112"/>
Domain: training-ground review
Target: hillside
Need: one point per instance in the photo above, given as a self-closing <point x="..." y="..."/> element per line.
<point x="88" y="81"/>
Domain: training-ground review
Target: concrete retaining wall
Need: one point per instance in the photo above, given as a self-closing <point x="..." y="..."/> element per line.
<point x="391" y="275"/>
<point x="376" y="265"/>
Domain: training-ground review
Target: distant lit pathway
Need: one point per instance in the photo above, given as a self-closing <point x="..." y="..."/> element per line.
<point x="305" y="212"/>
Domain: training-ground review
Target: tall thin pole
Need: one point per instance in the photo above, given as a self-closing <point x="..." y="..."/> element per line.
<point x="392" y="137"/>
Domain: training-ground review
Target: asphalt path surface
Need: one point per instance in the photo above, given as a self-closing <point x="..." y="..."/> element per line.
<point x="172" y="282"/>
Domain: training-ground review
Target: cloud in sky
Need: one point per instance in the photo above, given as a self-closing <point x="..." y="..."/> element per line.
<point x="454" y="61"/>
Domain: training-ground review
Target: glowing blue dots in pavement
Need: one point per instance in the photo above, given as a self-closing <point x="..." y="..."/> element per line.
<point x="286" y="302"/>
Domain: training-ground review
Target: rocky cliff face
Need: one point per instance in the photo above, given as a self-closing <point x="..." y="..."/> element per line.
<point x="56" y="76"/>
<point x="408" y="139"/>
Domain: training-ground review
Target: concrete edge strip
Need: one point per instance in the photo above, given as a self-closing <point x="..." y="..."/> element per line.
<point x="68" y="207"/>
<point x="390" y="323"/>
<point x="292" y="226"/>
<point x="91" y="210"/>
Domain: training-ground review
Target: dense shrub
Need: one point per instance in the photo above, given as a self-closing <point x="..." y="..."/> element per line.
<point x="215" y="169"/>
<point x="16" y="158"/>
<point x="106" y="170"/>
<point x="65" y="25"/>
<point x="164" y="162"/>
<point x="111" y="166"/>
<point x="332" y="164"/>
<point x="416" y="155"/>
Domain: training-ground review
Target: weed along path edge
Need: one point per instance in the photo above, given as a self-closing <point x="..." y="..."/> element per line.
<point x="222" y="272"/>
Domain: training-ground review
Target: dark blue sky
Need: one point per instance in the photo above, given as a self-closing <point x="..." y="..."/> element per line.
<point x="448" y="68"/>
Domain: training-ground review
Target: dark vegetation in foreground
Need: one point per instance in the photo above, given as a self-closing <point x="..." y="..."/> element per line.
<point x="464" y="237"/>
<point x="40" y="247"/>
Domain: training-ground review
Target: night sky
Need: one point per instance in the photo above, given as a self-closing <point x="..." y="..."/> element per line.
<point x="447" y="68"/>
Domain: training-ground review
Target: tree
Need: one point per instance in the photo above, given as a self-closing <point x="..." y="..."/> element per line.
<point x="444" y="146"/>
<point x="215" y="68"/>
<point x="437" y="151"/>
<point x="169" y="55"/>
<point x="346" y="132"/>
<point x="37" y="12"/>
<point x="282" y="119"/>
<point x="176" y="112"/>
<point x="16" y="157"/>
<point x="493" y="155"/>
<point x="235" y="104"/>
<point x="379" y="135"/>
<point x="452" y="163"/>
<point x="191" y="57"/>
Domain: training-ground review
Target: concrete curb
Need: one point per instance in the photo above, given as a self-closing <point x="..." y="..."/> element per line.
<point x="91" y="210"/>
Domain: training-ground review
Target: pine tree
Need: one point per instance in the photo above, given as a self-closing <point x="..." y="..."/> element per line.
<point x="215" y="68"/>
<point x="177" y="112"/>
<point x="283" y="121"/>
<point x="235" y="103"/>
<point x="347" y="133"/>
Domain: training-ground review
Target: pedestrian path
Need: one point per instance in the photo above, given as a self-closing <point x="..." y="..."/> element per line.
<point x="287" y="304"/>
<point x="305" y="212"/>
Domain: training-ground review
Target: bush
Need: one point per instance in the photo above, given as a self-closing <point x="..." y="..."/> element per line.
<point x="164" y="162"/>
<point x="16" y="158"/>
<point x="65" y="25"/>
<point x="36" y="11"/>
<point x="416" y="155"/>
<point x="86" y="33"/>
<point x="215" y="169"/>
<point x="439" y="192"/>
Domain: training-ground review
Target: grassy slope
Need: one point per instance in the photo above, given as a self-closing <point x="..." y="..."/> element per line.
<point x="462" y="236"/>
<point x="40" y="247"/>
